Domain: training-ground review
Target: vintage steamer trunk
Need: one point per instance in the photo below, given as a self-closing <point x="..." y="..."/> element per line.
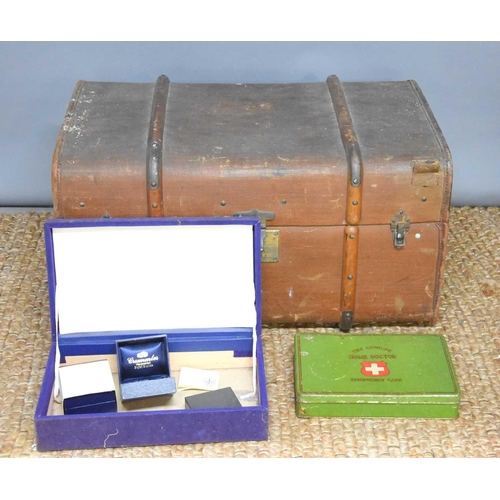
<point x="352" y="183"/>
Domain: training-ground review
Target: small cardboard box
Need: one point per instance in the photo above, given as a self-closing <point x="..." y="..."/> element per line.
<point x="215" y="399"/>
<point x="374" y="376"/>
<point x="196" y="281"/>
<point x="88" y="388"/>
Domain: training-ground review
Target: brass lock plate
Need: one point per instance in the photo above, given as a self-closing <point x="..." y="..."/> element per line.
<point x="271" y="249"/>
<point x="400" y="225"/>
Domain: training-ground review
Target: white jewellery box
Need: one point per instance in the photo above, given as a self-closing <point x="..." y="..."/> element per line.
<point x="87" y="388"/>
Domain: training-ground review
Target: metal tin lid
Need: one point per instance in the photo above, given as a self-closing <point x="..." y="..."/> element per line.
<point x="357" y="369"/>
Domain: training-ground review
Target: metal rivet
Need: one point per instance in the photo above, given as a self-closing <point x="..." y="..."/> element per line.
<point x="106" y="216"/>
<point x="352" y="236"/>
<point x="394" y="221"/>
<point x="355" y="181"/>
<point x="424" y="198"/>
<point x="153" y="184"/>
<point x="401" y="211"/>
<point x="355" y="202"/>
<point x="275" y="233"/>
<point x="349" y="276"/>
<point x="283" y="202"/>
<point x="155" y="205"/>
<point x="82" y="204"/>
<point x="417" y="236"/>
<point x="223" y="203"/>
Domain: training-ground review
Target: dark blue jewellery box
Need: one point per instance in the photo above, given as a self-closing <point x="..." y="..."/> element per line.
<point x="113" y="282"/>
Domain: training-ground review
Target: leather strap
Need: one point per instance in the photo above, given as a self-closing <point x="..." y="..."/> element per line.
<point x="154" y="158"/>
<point x="353" y="202"/>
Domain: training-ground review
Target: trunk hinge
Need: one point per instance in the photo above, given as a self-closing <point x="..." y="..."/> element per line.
<point x="400" y="225"/>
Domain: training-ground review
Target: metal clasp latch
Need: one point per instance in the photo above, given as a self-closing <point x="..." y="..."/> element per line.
<point x="269" y="239"/>
<point x="400" y="225"/>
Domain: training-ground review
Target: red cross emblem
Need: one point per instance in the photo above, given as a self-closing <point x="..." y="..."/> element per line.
<point x="374" y="368"/>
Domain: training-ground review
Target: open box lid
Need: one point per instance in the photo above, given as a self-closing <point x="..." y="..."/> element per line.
<point x="112" y="275"/>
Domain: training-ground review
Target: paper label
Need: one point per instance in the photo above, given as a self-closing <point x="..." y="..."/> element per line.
<point x="194" y="378"/>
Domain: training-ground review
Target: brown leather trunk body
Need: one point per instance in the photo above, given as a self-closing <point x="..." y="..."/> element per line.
<point x="352" y="182"/>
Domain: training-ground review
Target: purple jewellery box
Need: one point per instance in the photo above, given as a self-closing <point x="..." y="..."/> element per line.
<point x="183" y="293"/>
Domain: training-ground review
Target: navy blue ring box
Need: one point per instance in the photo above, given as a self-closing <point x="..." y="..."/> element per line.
<point x="144" y="368"/>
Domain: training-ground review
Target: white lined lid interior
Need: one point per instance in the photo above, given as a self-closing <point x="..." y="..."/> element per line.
<point x="119" y="278"/>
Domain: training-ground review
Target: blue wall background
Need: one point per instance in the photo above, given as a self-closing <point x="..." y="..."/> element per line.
<point x="461" y="81"/>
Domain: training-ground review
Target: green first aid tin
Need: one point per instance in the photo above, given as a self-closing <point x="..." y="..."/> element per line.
<point x="374" y="376"/>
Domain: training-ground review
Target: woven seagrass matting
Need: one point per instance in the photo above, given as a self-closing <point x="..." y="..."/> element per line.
<point x="469" y="319"/>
